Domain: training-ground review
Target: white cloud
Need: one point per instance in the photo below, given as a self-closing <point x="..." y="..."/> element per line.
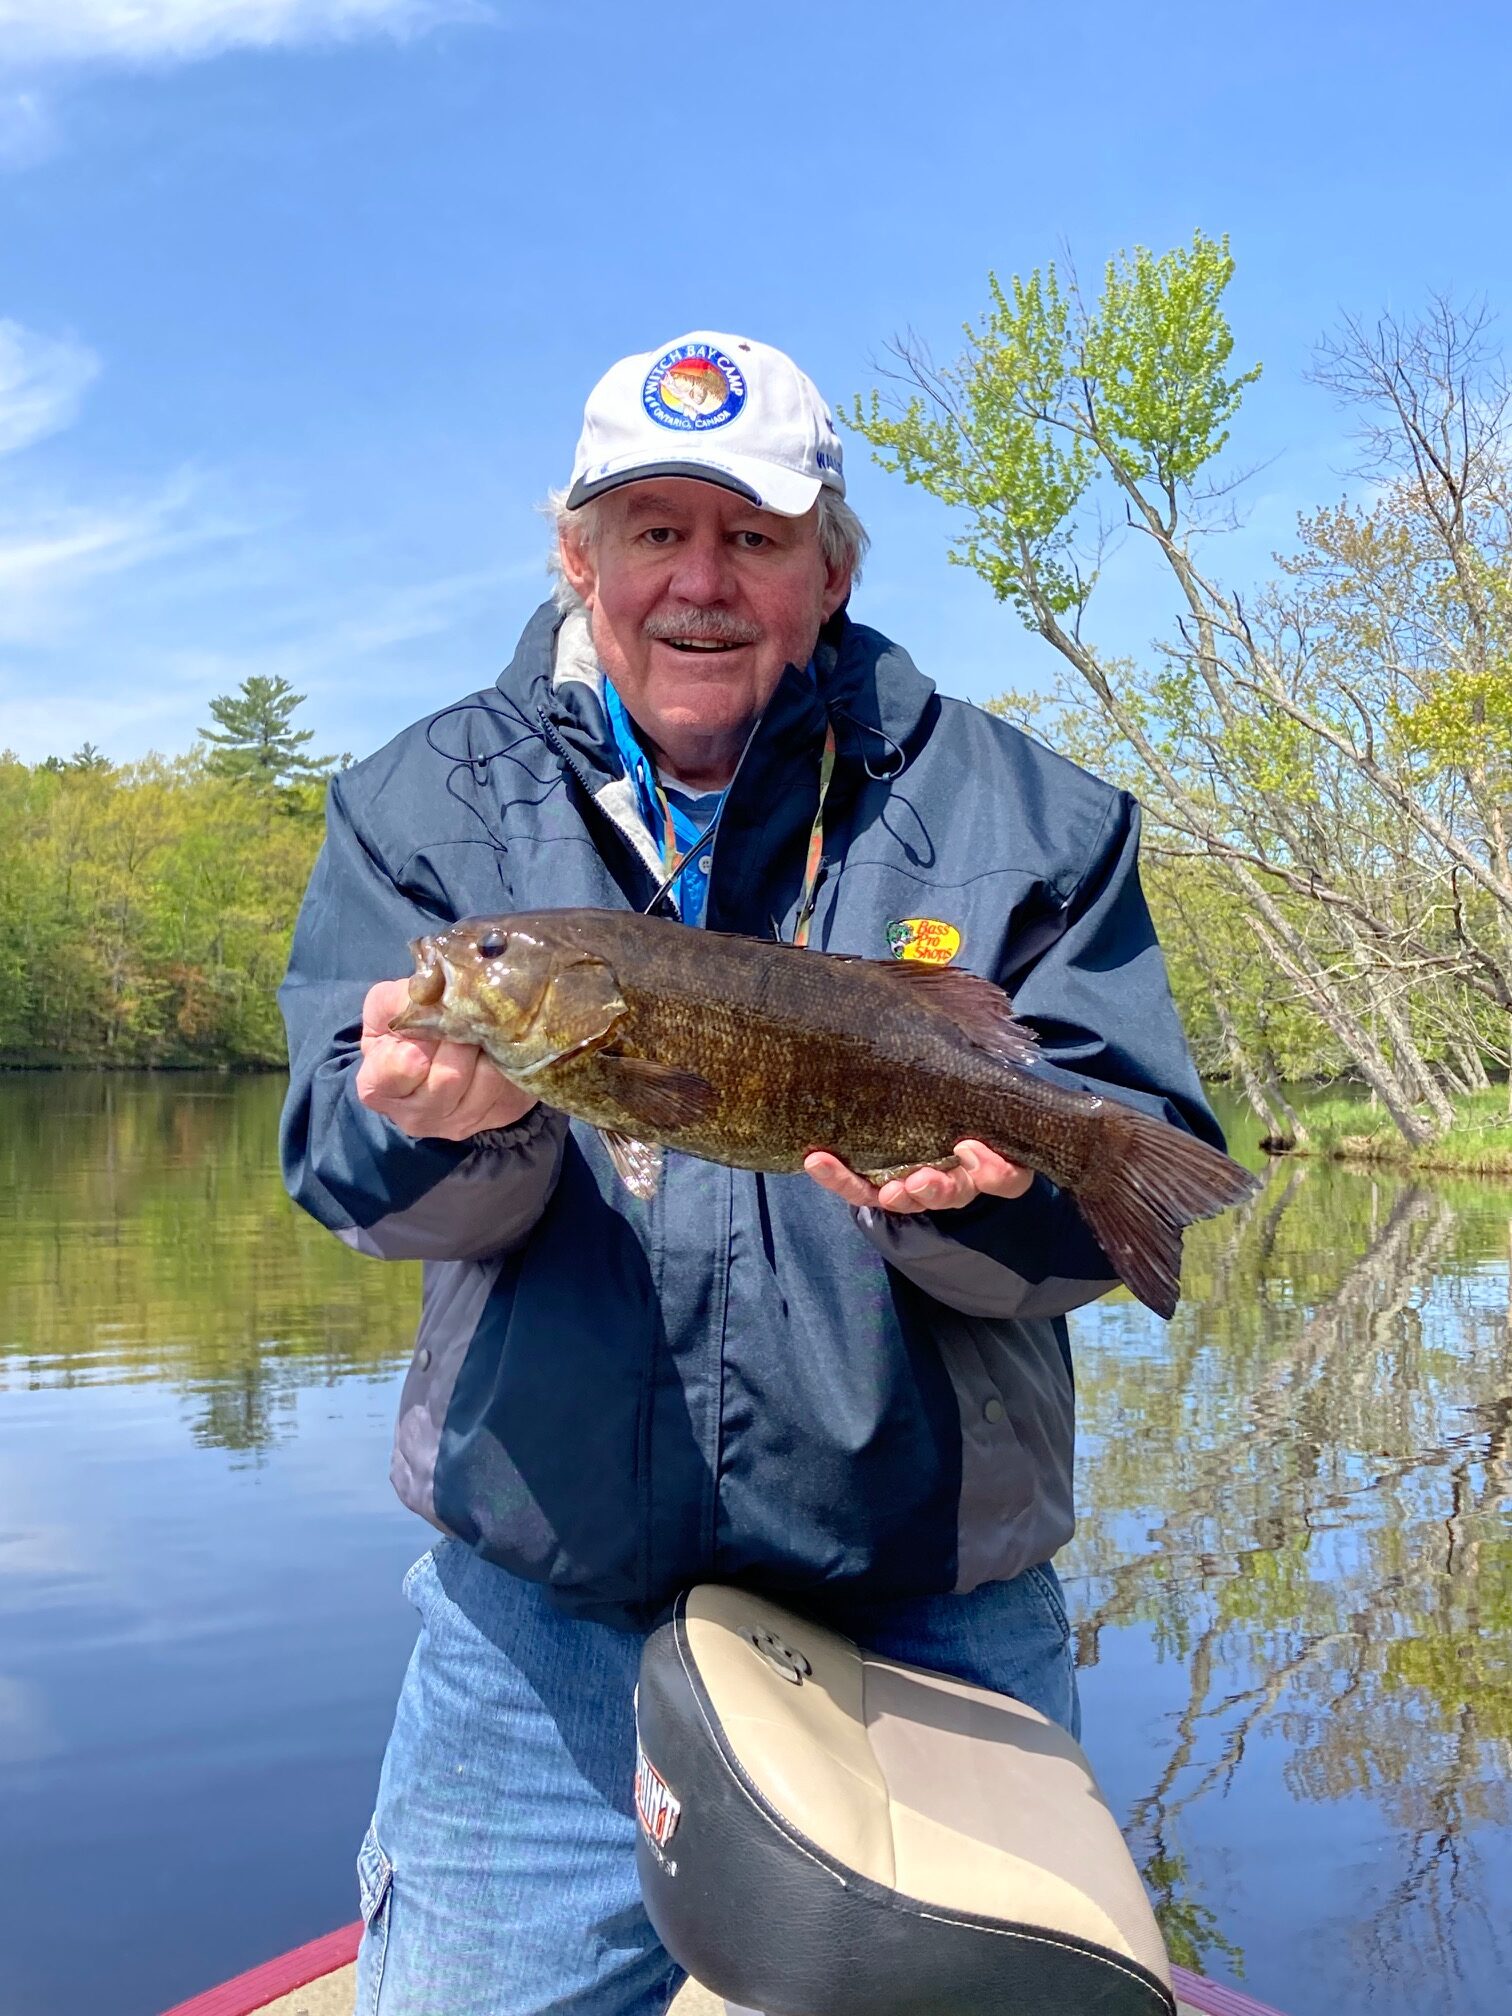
<point x="37" y="32"/>
<point x="320" y="645"/>
<point x="128" y="681"/>
<point x="50" y="553"/>
<point x="42" y="380"/>
<point x="51" y="546"/>
<point x="123" y="606"/>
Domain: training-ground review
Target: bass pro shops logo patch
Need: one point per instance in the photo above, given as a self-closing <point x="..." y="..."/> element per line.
<point x="693" y="387"/>
<point x="655" y="1807"/>
<point x="930" y="940"/>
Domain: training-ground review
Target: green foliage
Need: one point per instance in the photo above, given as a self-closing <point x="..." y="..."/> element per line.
<point x="1049" y="395"/>
<point x="1154" y="362"/>
<point x="1328" y="758"/>
<point x="1463" y="721"/>
<point x="257" y="742"/>
<point x="145" y="914"/>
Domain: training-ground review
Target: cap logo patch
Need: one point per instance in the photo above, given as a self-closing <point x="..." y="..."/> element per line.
<point x="930" y="940"/>
<point x="692" y="387"/>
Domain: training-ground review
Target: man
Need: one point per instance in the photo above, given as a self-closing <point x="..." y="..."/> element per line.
<point x="858" y="1401"/>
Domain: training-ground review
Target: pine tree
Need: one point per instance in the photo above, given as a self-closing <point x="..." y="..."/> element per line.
<point x="257" y="742"/>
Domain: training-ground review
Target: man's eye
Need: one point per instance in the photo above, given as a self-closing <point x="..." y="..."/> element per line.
<point x="753" y="541"/>
<point x="659" y="535"/>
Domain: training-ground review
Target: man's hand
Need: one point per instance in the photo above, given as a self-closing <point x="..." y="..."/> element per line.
<point x="982" y="1173"/>
<point x="430" y="1089"/>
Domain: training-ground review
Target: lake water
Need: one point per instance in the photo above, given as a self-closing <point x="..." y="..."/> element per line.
<point x="1292" y="1583"/>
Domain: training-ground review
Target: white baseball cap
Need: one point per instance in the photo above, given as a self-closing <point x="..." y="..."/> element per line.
<point x="722" y="409"/>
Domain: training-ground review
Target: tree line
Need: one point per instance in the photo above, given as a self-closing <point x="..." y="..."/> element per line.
<point x="146" y="908"/>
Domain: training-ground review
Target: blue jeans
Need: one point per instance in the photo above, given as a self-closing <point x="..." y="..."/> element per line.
<point x="498" y="1876"/>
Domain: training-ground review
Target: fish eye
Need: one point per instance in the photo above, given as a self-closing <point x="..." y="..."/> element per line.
<point x="492" y="943"/>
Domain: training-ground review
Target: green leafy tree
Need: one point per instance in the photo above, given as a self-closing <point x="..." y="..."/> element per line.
<point x="257" y="742"/>
<point x="145" y="914"/>
<point x="1330" y="754"/>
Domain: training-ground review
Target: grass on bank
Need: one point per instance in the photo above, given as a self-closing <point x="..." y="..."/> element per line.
<point x="1351" y="1129"/>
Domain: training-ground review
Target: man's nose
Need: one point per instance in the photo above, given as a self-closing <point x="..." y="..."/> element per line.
<point x="702" y="572"/>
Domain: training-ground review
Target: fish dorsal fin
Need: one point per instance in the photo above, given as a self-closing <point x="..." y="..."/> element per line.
<point x="637" y="1163"/>
<point x="662" y="1097"/>
<point x="979" y="1009"/>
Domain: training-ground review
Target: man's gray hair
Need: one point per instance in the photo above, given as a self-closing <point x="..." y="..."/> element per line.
<point x="843" y="539"/>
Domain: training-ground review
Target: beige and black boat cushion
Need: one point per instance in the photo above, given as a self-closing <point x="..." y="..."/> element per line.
<point x="825" y="1833"/>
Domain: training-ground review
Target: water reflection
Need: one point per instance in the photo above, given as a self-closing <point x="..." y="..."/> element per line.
<point x="1300" y="1492"/>
<point x="146" y="1236"/>
<point x="1292" y="1578"/>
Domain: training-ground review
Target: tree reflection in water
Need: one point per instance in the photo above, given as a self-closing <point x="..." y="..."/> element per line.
<point x="1301" y="1490"/>
<point x="1297" y="1492"/>
<point x="147" y="1236"/>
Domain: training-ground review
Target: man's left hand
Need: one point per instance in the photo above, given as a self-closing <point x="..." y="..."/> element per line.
<point x="982" y="1173"/>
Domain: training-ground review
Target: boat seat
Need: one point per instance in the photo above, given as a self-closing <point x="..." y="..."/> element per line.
<point x="828" y="1833"/>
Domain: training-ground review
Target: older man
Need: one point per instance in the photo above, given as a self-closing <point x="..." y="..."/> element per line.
<point x="860" y="1401"/>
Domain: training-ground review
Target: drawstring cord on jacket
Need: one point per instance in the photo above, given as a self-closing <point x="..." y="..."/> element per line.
<point x="816" y="870"/>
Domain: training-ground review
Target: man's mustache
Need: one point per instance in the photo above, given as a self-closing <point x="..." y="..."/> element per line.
<point x="701" y="626"/>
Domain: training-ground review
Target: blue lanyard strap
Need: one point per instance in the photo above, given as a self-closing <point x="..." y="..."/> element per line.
<point x="679" y="835"/>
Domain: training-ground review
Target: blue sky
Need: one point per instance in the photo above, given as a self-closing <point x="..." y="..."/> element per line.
<point x="300" y="299"/>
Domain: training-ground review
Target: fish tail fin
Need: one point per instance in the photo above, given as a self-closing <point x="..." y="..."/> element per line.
<point x="1158" y="1181"/>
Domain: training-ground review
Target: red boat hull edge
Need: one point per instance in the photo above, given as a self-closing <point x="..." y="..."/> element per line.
<point x="255" y="1990"/>
<point x="251" y="1992"/>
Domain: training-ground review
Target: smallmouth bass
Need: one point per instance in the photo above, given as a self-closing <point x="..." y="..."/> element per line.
<point x="755" y="1054"/>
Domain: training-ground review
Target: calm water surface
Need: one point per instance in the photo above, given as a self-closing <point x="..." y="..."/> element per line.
<point x="1292" y="1582"/>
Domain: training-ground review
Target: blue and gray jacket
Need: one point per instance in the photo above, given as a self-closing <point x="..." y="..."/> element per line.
<point x="744" y="1379"/>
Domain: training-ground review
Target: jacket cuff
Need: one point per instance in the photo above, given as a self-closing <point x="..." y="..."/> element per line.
<point x="997" y="1257"/>
<point x="484" y="1205"/>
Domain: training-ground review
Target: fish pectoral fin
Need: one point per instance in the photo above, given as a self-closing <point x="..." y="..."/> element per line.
<point x="638" y="1163"/>
<point x="660" y="1095"/>
<point x="979" y="1008"/>
<point x="584" y="1002"/>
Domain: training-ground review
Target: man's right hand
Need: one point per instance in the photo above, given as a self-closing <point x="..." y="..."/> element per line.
<point x="431" y="1089"/>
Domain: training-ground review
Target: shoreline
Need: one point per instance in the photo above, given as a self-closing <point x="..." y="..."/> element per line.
<point x="1359" y="1135"/>
<point x="1401" y="1160"/>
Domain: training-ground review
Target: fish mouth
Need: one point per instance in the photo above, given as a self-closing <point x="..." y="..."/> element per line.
<point x="427" y="987"/>
<point x="428" y="981"/>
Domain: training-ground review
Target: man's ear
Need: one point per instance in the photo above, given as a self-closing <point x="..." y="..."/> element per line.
<point x="837" y="587"/>
<point x="577" y="563"/>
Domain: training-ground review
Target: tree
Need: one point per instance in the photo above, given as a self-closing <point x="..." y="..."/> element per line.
<point x="145" y="913"/>
<point x="1331" y="751"/>
<point x="256" y="742"/>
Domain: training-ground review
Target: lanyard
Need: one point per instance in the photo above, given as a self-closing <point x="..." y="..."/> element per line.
<point x="816" y="841"/>
<point x="674" y="857"/>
